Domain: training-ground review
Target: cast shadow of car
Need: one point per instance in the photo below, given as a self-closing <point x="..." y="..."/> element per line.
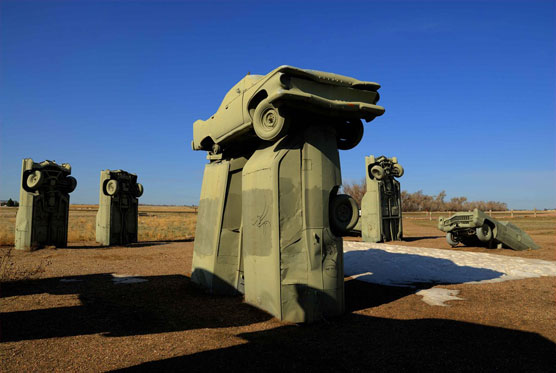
<point x="73" y="246"/>
<point x="158" y="305"/>
<point x="417" y="238"/>
<point x="412" y="270"/>
<point x="351" y="342"/>
<point x="359" y="343"/>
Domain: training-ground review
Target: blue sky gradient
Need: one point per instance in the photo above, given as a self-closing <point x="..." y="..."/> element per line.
<point x="468" y="87"/>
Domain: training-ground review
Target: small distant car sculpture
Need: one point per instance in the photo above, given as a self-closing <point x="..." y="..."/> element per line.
<point x="476" y="227"/>
<point x="257" y="103"/>
<point x="117" y="216"/>
<point x="381" y="206"/>
<point x="44" y="197"/>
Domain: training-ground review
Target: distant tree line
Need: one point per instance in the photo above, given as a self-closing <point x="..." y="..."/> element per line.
<point x="356" y="190"/>
<point x="10" y="203"/>
<point x="419" y="201"/>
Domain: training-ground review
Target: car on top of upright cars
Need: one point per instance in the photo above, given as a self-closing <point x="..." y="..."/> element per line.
<point x="258" y="105"/>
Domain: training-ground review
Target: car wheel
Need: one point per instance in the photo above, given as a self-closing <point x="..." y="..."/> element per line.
<point x="349" y="134"/>
<point x="269" y="124"/>
<point x="111" y="187"/>
<point x="397" y="170"/>
<point x="344" y="213"/>
<point x="377" y="172"/>
<point x="139" y="191"/>
<point x="484" y="233"/>
<point x="72" y="184"/>
<point x="451" y="239"/>
<point x="34" y="180"/>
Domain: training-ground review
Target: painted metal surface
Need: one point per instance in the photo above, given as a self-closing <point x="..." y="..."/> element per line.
<point x="477" y="228"/>
<point x="117" y="216"/>
<point x="285" y="88"/>
<point x="42" y="217"/>
<point x="381" y="206"/>
<point x="270" y="218"/>
<point x="217" y="247"/>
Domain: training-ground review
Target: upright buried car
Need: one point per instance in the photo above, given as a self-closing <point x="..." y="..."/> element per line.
<point x="117" y="216"/>
<point x="256" y="106"/>
<point x="477" y="227"/>
<point x="42" y="217"/>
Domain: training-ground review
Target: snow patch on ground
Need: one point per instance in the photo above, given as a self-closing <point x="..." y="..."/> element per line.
<point x="437" y="296"/>
<point x="126" y="279"/>
<point x="396" y="265"/>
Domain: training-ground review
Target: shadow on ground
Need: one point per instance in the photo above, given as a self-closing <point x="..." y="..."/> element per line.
<point x="161" y="304"/>
<point x="357" y="343"/>
<point x="413" y="239"/>
<point x="134" y="244"/>
<point x="349" y="343"/>
<point x="402" y="269"/>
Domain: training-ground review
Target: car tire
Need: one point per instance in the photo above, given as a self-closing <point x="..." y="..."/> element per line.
<point x="268" y="122"/>
<point x="344" y="213"/>
<point x="34" y="180"/>
<point x="71" y="184"/>
<point x="111" y="187"/>
<point x="397" y="170"/>
<point x="349" y="134"/>
<point x="377" y="172"/>
<point x="139" y="191"/>
<point x="452" y="241"/>
<point x="484" y="233"/>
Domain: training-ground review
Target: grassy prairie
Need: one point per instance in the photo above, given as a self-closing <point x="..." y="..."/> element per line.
<point x="156" y="223"/>
<point x="7" y="225"/>
<point x="166" y="223"/>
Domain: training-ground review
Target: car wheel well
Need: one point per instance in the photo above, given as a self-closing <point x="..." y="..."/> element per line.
<point x="490" y="223"/>
<point x="207" y="143"/>
<point x="256" y="100"/>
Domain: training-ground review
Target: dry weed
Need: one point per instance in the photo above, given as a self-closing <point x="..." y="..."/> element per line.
<point x="7" y="225"/>
<point x="166" y="226"/>
<point x="81" y="228"/>
<point x="10" y="270"/>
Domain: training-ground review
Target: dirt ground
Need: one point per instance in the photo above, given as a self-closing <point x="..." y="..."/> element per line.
<point x="62" y="311"/>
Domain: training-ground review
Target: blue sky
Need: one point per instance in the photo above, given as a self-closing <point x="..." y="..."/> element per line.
<point x="468" y="87"/>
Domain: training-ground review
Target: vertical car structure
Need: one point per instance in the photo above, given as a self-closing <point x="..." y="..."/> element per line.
<point x="117" y="216"/>
<point x="381" y="207"/>
<point x="270" y="217"/>
<point x="42" y="217"/>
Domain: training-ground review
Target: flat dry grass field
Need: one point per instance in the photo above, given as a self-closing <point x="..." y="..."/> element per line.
<point x="62" y="311"/>
<point x="155" y="223"/>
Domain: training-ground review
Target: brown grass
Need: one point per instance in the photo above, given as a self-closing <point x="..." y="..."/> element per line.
<point x="166" y="226"/>
<point x="7" y="225"/>
<point x="156" y="223"/>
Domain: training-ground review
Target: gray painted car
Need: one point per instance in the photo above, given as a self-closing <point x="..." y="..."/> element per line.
<point x="256" y="107"/>
<point x="476" y="227"/>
